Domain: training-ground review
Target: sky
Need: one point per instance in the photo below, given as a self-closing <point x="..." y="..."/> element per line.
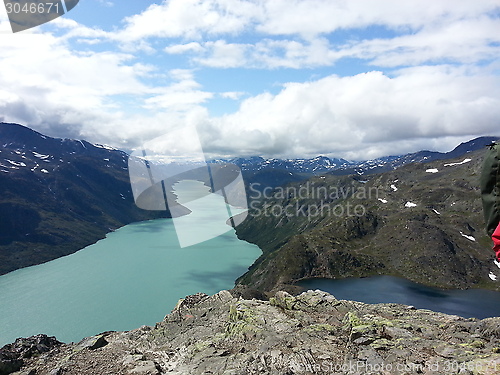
<point x="357" y="79"/>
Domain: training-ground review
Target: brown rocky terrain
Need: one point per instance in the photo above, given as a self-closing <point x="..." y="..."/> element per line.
<point x="312" y="333"/>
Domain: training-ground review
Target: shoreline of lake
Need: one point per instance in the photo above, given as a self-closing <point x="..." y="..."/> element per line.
<point x="477" y="303"/>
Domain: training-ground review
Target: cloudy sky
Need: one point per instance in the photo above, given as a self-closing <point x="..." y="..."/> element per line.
<point x="287" y="78"/>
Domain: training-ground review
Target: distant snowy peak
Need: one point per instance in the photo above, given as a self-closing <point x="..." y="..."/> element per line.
<point x="106" y="147"/>
<point x="317" y="165"/>
<point x="337" y="166"/>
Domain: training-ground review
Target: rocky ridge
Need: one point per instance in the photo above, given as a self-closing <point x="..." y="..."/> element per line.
<point x="312" y="333"/>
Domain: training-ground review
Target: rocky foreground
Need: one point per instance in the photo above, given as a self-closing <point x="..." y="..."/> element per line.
<point x="312" y="333"/>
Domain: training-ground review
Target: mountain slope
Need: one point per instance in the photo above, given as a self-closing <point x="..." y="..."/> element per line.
<point x="422" y="221"/>
<point x="58" y="196"/>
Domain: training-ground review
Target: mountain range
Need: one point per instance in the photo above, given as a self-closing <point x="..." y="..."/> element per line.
<point x="60" y="195"/>
<point x="265" y="172"/>
<point x="420" y="218"/>
<point x="339" y="166"/>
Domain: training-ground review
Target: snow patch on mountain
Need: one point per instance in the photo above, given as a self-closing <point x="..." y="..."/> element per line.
<point x="21" y="164"/>
<point x="460" y="163"/>
<point x="468" y="237"/>
<point x="40" y="156"/>
<point x="106" y="147"/>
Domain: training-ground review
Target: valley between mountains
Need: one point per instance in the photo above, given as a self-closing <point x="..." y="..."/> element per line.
<point x="417" y="216"/>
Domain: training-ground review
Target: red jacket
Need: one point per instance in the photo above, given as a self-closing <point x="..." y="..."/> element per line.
<point x="496" y="241"/>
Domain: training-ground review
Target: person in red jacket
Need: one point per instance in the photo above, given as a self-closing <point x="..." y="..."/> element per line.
<point x="496" y="244"/>
<point x="494" y="275"/>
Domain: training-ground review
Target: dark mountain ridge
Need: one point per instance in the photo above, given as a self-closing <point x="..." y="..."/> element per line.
<point x="389" y="163"/>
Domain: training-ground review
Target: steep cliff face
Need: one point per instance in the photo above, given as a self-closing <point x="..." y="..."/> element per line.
<point x="312" y="333"/>
<point x="423" y="222"/>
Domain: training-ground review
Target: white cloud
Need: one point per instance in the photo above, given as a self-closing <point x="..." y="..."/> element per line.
<point x="189" y="19"/>
<point x="293" y="54"/>
<point x="364" y="116"/>
<point x="106" y="3"/>
<point x="182" y="95"/>
<point x="264" y="54"/>
<point x="58" y="68"/>
<point x="67" y="93"/>
<point x="465" y="41"/>
<point x="99" y="96"/>
<point x="224" y="55"/>
<point x="234" y="95"/>
<point x="177" y="97"/>
<point x="313" y="17"/>
<point x="109" y="97"/>
<point x="302" y="34"/>
<point x="184" y="48"/>
<point x="308" y="18"/>
<point x="74" y="29"/>
<point x="267" y="53"/>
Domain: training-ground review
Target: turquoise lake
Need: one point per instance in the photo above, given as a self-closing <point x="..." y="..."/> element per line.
<point x="133" y="277"/>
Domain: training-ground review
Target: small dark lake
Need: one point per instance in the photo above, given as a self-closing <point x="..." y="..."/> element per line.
<point x="477" y="303"/>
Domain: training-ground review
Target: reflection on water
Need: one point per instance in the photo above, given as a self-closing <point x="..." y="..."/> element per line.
<point x="476" y="303"/>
